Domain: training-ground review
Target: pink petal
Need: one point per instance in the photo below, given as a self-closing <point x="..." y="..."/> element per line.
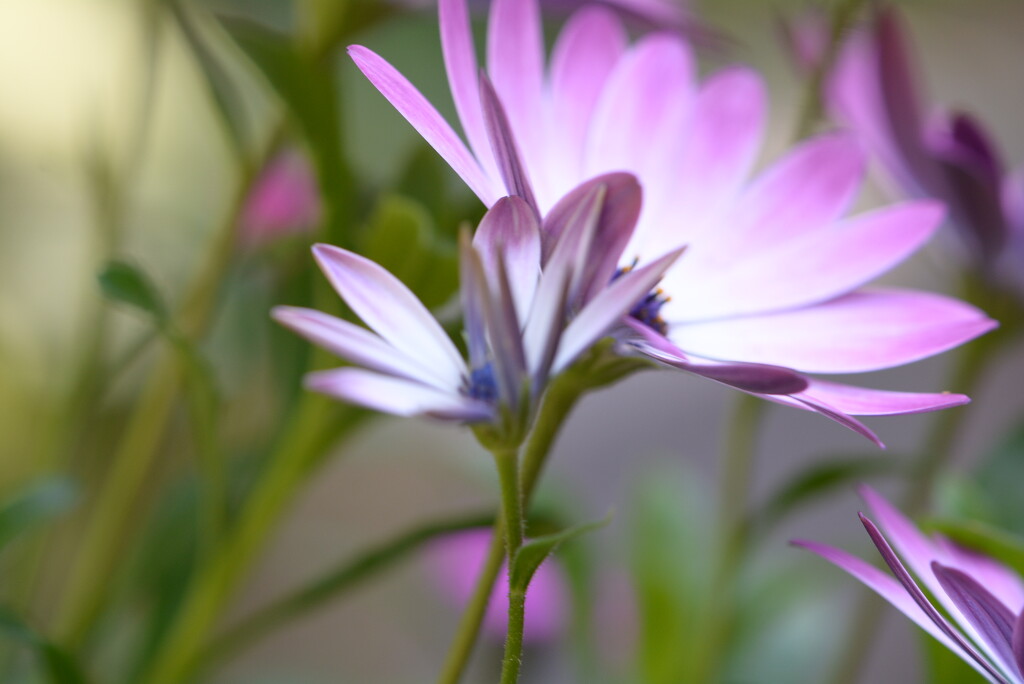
<point x="817" y="265"/>
<point x="395" y="395"/>
<point x="1018" y="643"/>
<point x="861" y="401"/>
<point x="463" y="78"/>
<point x="805" y="402"/>
<point x="863" y="331"/>
<point x="391" y="310"/>
<point x="504" y="145"/>
<point x="356" y="344"/>
<point x="425" y="119"/>
<point x="515" y="63"/>
<point x="604" y="310"/>
<point x="647" y="97"/>
<point x="584" y="55"/>
<point x="510" y="231"/>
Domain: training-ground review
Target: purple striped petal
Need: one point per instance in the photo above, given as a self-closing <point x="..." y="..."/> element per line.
<point x="608" y="307"/>
<point x="862" y="401"/>
<point x="503" y="144"/>
<point x="818" y="265"/>
<point x="584" y="54"/>
<point x="357" y="344"/>
<point x="863" y="331"/>
<point x="749" y="377"/>
<point x="473" y="294"/>
<point x="396" y="396"/>
<point x="892" y="591"/>
<point x="425" y="119"/>
<point x="515" y="62"/>
<point x="464" y="78"/>
<point x="1018" y="643"/>
<point x="511" y="228"/>
<point x="990" y="618"/>
<point x="915" y="592"/>
<point x="391" y="310"/>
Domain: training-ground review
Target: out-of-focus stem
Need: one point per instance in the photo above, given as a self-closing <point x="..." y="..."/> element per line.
<point x="734" y="489"/>
<point x="561" y="397"/>
<point x="507" y="462"/>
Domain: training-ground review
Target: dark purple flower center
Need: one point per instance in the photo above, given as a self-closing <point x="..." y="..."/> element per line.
<point x="648" y="309"/>
<point x="482" y="384"/>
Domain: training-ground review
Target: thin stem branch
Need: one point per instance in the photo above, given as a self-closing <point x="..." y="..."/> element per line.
<point x="507" y="462"/>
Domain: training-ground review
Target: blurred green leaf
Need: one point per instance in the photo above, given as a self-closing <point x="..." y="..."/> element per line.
<point x="670" y="543"/>
<point x="122" y="282"/>
<point x="1006" y="547"/>
<point x="36" y="504"/>
<point x="999" y="476"/>
<point x="531" y="554"/>
<point x="822" y="478"/>
<point x="306" y="86"/>
<point x="60" y="667"/>
<point x="220" y="85"/>
<point x="943" y="665"/>
<point x="426" y="179"/>
<point x="401" y="237"/>
<point x="327" y="22"/>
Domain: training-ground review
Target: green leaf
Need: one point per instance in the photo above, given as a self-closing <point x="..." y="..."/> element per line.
<point x="1006" y="547"/>
<point x="221" y="86"/>
<point x="401" y="237"/>
<point x="822" y="478"/>
<point x="60" y="667"/>
<point x="531" y="554"/>
<point x="124" y="283"/>
<point x="38" y="503"/>
<point x="1000" y="475"/>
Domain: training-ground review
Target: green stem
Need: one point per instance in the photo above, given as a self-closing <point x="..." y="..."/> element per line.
<point x="559" y="401"/>
<point x="330" y="586"/>
<point x="734" y="490"/>
<point x="507" y="461"/>
<point x="938" y="450"/>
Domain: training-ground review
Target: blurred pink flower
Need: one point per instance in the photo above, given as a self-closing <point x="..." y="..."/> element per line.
<point x="457" y="559"/>
<point x="984" y="598"/>
<point x="877" y="91"/>
<point x="283" y="200"/>
<point x="805" y="36"/>
<point x="770" y="285"/>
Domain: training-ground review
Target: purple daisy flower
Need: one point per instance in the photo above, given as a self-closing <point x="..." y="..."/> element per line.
<point x="984" y="598"/>
<point x="769" y="287"/>
<point x="877" y="91"/>
<point x="515" y="326"/>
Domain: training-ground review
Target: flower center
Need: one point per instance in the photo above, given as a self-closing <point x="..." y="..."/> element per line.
<point x="648" y="309"/>
<point x="482" y="384"/>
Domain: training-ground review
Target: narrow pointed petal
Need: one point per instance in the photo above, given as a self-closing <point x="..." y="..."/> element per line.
<point x="1018" y="643"/>
<point x="892" y="591"/>
<point x="504" y="145"/>
<point x="584" y="55"/>
<point x="425" y="119"/>
<point x="990" y="618"/>
<point x="608" y="307"/>
<point x="515" y="62"/>
<point x="395" y="395"/>
<point x="820" y="407"/>
<point x="915" y="592"/>
<point x="863" y="401"/>
<point x="862" y="331"/>
<point x="356" y="344"/>
<point x="819" y="265"/>
<point x="1003" y="582"/>
<point x="620" y="202"/>
<point x="392" y="310"/>
<point x="463" y="78"/>
<point x="572" y="228"/>
<point x="544" y="329"/>
<point x="473" y="292"/>
<point x="749" y="377"/>
<point x="511" y="228"/>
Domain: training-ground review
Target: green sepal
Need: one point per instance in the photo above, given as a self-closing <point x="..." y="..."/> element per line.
<point x="531" y="554"/>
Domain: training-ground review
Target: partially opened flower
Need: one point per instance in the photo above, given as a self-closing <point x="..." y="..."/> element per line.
<point x="932" y="576"/>
<point x="877" y="91"/>
<point x="516" y="329"/>
<point x="456" y="560"/>
<point x="768" y="288"/>
<point x="283" y="200"/>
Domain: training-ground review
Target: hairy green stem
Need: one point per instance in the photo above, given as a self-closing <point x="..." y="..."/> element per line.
<point x="507" y="461"/>
<point x="740" y="448"/>
<point x="559" y="401"/>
